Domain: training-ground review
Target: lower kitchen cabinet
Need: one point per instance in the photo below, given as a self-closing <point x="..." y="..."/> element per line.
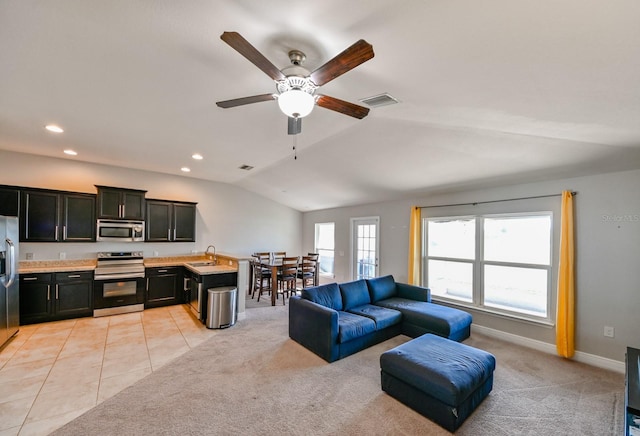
<point x="54" y="296"/>
<point x="164" y="286"/>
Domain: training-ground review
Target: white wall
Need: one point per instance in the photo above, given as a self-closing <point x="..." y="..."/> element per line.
<point x="236" y="221"/>
<point x="607" y="254"/>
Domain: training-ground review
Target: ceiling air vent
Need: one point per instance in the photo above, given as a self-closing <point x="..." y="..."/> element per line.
<point x="245" y="167"/>
<point x="380" y="100"/>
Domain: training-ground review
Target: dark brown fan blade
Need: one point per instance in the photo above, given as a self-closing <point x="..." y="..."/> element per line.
<point x="344" y="107"/>
<point x="245" y="100"/>
<point x="358" y="53"/>
<point x="242" y="46"/>
<point x="294" y="126"/>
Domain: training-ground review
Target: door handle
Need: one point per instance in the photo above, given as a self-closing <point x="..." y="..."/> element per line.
<point x="48" y="292"/>
<point x="11" y="263"/>
<point x="57" y="296"/>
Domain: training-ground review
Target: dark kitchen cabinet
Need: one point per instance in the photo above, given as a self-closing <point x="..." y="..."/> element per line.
<point x="49" y="297"/>
<point x="35" y="298"/>
<point x="9" y="201"/>
<point x="170" y="221"/>
<point x="53" y="216"/>
<point x="120" y="203"/>
<point x="73" y="294"/>
<point x="164" y="286"/>
<point x="39" y="217"/>
<point x="78" y="217"/>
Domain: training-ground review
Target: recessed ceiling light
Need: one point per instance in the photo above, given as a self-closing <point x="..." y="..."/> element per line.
<point x="197" y="156"/>
<point x="71" y="152"/>
<point x="53" y="128"/>
<point x="185" y="169"/>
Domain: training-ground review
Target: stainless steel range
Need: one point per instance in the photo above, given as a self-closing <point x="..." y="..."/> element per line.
<point x="118" y="283"/>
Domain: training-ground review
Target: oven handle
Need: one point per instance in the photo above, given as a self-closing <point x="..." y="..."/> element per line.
<point x="119" y="276"/>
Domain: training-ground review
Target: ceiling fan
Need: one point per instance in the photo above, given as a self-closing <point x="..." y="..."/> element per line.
<point x="296" y="86"/>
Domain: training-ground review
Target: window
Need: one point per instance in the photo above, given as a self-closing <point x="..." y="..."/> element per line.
<point x="324" y="246"/>
<point x="496" y="262"/>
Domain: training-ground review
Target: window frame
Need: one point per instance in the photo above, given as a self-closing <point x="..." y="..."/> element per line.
<point x="318" y="248"/>
<point x="478" y="280"/>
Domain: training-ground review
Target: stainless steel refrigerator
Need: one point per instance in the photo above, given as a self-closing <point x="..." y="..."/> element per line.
<point x="9" y="298"/>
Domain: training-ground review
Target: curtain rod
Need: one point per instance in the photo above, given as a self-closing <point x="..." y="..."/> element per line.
<point x="573" y="193"/>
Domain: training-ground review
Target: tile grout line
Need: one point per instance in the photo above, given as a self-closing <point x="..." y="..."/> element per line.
<point x="104" y="353"/>
<point x="146" y="343"/>
<point x="180" y="330"/>
<point x="47" y="377"/>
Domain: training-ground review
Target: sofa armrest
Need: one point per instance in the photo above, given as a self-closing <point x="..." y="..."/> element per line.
<point x="412" y="292"/>
<point x="314" y="326"/>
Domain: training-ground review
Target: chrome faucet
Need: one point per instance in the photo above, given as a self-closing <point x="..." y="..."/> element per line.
<point x="215" y="261"/>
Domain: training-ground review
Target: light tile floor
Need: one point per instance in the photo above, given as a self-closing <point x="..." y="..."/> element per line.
<point x="51" y="373"/>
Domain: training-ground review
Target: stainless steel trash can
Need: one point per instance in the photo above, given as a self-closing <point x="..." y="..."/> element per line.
<point x="222" y="307"/>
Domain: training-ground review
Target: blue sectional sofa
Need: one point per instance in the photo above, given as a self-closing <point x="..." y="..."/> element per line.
<point x="337" y="320"/>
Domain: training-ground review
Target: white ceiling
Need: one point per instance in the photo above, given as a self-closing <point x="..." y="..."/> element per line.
<point x="491" y="92"/>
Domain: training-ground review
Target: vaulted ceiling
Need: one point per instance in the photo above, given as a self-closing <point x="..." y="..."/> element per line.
<point x="490" y="92"/>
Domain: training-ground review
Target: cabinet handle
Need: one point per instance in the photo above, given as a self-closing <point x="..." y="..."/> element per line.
<point x="29" y="279"/>
<point x="56" y="291"/>
<point x="174" y="233"/>
<point x="162" y="270"/>
<point x="168" y="234"/>
<point x="56" y="234"/>
<point x="64" y="233"/>
<point x="147" y="284"/>
<point x="74" y="276"/>
<point x="48" y="292"/>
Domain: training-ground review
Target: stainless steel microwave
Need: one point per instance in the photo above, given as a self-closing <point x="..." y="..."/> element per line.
<point x="120" y="231"/>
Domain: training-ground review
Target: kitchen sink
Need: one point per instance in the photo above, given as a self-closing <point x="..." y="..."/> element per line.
<point x="197" y="264"/>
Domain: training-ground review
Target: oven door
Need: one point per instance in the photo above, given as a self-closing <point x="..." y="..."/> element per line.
<point x="118" y="292"/>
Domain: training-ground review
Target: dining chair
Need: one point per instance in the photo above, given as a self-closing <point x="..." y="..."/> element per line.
<point x="316" y="258"/>
<point x="307" y="271"/>
<point x="261" y="274"/>
<point x="287" y="277"/>
<point x="279" y="255"/>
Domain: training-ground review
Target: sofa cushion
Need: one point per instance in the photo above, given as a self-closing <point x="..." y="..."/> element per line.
<point x="381" y="288"/>
<point x="382" y="316"/>
<point x="326" y="295"/>
<point x="442" y="320"/>
<point x="351" y="326"/>
<point x="354" y="294"/>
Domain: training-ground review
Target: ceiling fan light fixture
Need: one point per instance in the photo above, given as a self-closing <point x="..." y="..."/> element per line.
<point x="296" y="103"/>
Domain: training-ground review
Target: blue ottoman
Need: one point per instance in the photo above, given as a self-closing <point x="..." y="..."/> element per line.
<point x="441" y="379"/>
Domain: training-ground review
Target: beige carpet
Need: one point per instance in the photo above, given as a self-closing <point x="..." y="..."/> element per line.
<point x="251" y="379"/>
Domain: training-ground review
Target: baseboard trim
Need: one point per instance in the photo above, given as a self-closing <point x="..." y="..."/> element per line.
<point x="589" y="359"/>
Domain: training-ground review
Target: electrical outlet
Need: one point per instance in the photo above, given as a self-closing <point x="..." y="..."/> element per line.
<point x="29" y="256"/>
<point x="63" y="255"/>
<point x="155" y="253"/>
<point x="608" y="331"/>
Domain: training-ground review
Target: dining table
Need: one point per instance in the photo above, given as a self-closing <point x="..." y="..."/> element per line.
<point x="274" y="264"/>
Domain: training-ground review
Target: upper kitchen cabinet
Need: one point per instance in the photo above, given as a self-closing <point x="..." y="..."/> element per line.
<point x="171" y="221"/>
<point x="120" y="203"/>
<point x="9" y="200"/>
<point x="53" y="216"/>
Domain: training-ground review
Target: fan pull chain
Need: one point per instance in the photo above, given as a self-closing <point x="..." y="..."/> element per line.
<point x="295" y="143"/>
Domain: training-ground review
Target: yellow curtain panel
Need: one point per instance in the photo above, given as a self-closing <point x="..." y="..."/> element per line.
<point x="565" y="320"/>
<point x="415" y="253"/>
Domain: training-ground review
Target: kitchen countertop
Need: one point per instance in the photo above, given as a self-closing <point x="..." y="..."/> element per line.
<point x="226" y="263"/>
<point x="45" y="266"/>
